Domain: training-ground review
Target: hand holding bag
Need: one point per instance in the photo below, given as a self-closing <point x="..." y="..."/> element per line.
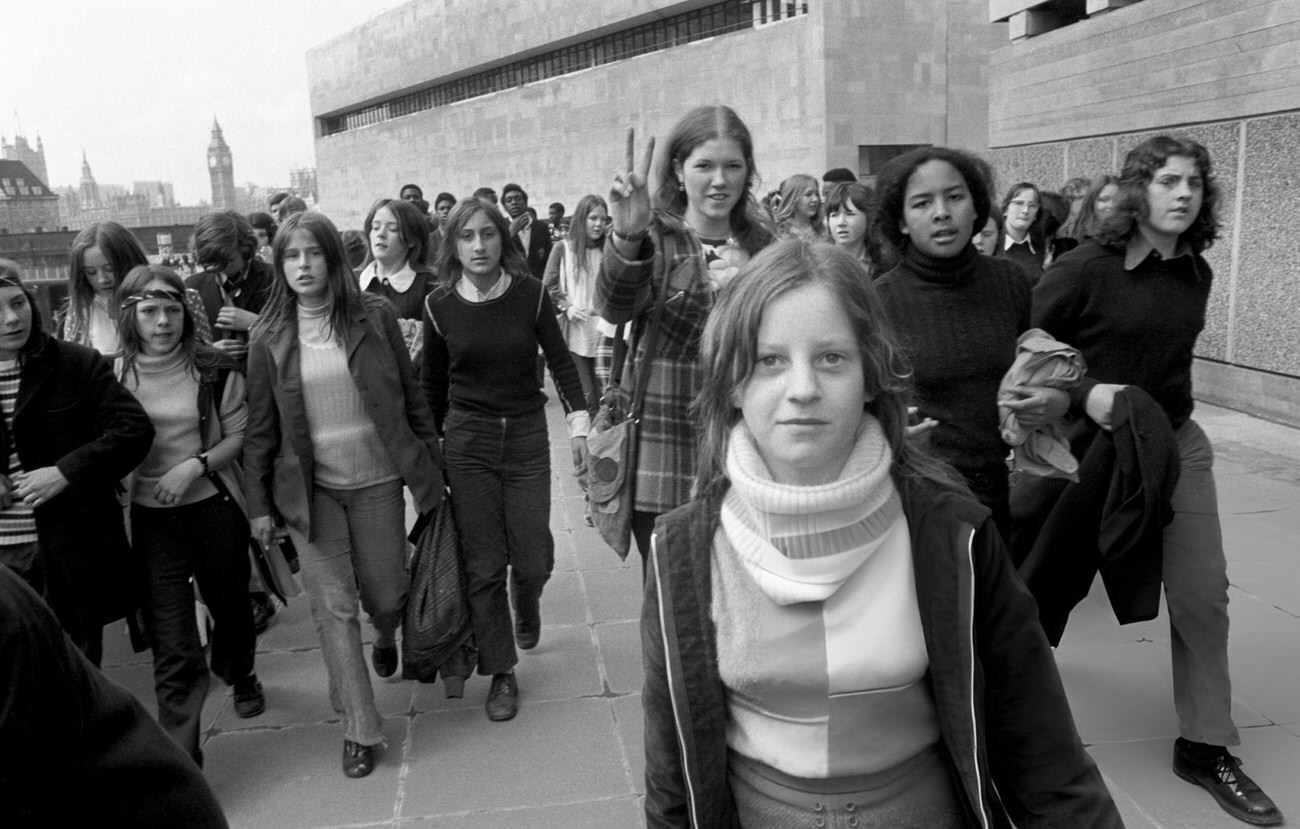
<point x="612" y="441"/>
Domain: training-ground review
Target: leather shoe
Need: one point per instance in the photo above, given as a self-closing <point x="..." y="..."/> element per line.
<point x="528" y="621"/>
<point x="384" y="660"/>
<point x="503" y="698"/>
<point x="263" y="610"/>
<point x="249" y="699"/>
<point x="358" y="760"/>
<point x="1220" y="774"/>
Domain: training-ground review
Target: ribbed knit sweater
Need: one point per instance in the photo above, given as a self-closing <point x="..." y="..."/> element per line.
<point x="959" y="319"/>
<point x="345" y="445"/>
<point x="17" y="522"/>
<point x="820" y="647"/>
<point x="168" y="389"/>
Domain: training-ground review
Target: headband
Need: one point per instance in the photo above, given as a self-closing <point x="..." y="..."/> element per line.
<point x="10" y="281"/>
<point x="153" y="293"/>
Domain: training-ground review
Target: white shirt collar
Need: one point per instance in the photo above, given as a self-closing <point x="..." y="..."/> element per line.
<point x="400" y="281"/>
<point x="469" y="293"/>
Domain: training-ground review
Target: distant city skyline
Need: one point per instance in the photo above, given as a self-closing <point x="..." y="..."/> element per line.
<point x="136" y="84"/>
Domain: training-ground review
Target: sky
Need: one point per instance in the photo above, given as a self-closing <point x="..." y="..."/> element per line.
<point x="136" y="84"/>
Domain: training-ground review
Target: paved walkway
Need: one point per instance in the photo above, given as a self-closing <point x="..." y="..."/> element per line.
<point x="572" y="758"/>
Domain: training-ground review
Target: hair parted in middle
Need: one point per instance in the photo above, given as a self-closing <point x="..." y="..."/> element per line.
<point x="577" y="236"/>
<point x="117" y="245"/>
<point x="412" y="229"/>
<point x="197" y="353"/>
<point x="449" y="265"/>
<point x="344" y="293"/>
<point x="891" y="189"/>
<point x="729" y="352"/>
<point x="699" y="126"/>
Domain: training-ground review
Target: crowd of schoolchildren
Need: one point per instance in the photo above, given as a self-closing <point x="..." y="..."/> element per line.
<point x="887" y="438"/>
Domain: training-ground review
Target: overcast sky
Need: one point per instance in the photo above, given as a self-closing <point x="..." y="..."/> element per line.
<point x="136" y="83"/>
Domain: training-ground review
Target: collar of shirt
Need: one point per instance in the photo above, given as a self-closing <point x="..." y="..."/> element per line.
<point x="400" y="281"/>
<point x="1139" y="248"/>
<point x="469" y="293"/>
<point x="525" y="235"/>
<point x="1028" y="242"/>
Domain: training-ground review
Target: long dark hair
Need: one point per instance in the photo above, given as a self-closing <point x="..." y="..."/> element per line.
<point x="729" y="352"/>
<point x="117" y="245"/>
<point x="344" y="294"/>
<point x="1140" y="166"/>
<point x="891" y="189"/>
<point x="449" y="265"/>
<point x="697" y="127"/>
<point x="412" y="229"/>
<point x="11" y="275"/>
<point x="1085" y="227"/>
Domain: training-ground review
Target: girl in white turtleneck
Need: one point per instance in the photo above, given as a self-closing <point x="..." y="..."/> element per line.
<point x="184" y="520"/>
<point x="832" y="632"/>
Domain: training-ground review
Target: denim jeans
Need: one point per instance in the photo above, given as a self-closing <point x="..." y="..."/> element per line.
<point x="209" y="541"/>
<point x="1195" y="574"/>
<point x="357" y="560"/>
<point x="499" y="470"/>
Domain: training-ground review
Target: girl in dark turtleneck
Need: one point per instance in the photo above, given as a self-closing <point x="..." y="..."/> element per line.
<point x="958" y="312"/>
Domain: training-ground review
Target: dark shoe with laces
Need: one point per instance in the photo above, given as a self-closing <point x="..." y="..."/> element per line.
<point x="358" y="760"/>
<point x="1214" y="769"/>
<point x="384" y="660"/>
<point x="503" y="698"/>
<point x="249" y="699"/>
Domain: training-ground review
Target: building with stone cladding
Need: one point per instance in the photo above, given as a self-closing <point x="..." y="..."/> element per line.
<point x="26" y="203"/>
<point x="457" y="94"/>
<point x="1082" y="82"/>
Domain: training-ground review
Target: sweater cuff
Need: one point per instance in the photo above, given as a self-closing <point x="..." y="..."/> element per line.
<point x="643" y="256"/>
<point x="579" y="423"/>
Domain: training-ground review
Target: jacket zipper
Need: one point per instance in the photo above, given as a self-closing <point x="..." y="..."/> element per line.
<point x="669" y="658"/>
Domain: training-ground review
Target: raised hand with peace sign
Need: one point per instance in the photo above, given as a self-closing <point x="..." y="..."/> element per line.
<point x="629" y="198"/>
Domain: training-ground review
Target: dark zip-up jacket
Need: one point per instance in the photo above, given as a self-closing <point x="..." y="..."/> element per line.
<point x="1007" y="730"/>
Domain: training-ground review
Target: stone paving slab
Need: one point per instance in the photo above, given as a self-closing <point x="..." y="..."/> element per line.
<point x="573" y="757"/>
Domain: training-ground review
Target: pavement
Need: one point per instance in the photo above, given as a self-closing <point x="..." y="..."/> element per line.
<point x="572" y="758"/>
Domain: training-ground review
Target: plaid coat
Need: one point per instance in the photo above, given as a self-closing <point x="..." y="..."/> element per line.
<point x="626" y="291"/>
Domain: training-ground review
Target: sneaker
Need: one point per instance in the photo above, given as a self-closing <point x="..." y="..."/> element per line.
<point x="1214" y="769"/>
<point x="358" y="760"/>
<point x="384" y="660"/>
<point x="249" y="699"/>
<point x="503" y="698"/>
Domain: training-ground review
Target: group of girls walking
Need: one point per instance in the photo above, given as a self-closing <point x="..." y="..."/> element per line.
<point x="844" y="483"/>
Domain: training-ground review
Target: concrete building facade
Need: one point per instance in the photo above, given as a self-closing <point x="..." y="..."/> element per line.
<point x="1079" y="87"/>
<point x="420" y="94"/>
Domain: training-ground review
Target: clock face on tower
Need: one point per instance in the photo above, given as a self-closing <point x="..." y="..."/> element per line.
<point x="212" y="161"/>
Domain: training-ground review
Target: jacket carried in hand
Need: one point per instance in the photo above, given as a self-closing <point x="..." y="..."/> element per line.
<point x="1009" y="737"/>
<point x="279" y="470"/>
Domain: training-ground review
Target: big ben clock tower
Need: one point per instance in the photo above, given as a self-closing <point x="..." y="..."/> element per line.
<point x="222" y="171"/>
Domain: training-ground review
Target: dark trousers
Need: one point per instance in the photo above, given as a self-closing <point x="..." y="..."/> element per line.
<point x="992" y="488"/>
<point x="209" y="541"/>
<point x="499" y="470"/>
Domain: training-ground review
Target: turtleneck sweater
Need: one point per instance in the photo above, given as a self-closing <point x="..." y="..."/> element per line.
<point x="346" y="448"/>
<point x="820" y="646"/>
<point x="168" y="389"/>
<point x="958" y="319"/>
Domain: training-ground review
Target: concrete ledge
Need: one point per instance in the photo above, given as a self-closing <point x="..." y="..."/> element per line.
<point x="1271" y="396"/>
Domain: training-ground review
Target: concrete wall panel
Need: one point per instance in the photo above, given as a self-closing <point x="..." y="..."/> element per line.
<point x="1267" y="331"/>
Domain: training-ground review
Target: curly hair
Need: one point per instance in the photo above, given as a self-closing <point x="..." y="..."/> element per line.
<point x="891" y="189"/>
<point x="729" y="352"/>
<point x="1140" y="167"/>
